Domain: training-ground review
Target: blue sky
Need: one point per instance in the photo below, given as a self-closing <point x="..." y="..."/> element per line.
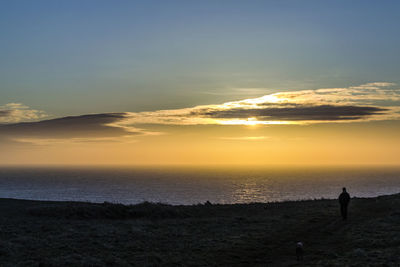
<point x="79" y="57"/>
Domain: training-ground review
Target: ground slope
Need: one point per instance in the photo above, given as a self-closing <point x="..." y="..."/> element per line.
<point x="36" y="233"/>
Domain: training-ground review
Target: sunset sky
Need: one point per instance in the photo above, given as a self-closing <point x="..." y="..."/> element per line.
<point x="199" y="82"/>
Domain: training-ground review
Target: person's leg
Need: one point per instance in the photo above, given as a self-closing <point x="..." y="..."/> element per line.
<point x="343" y="211"/>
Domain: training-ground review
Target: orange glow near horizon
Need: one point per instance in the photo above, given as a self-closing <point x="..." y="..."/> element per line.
<point x="239" y="145"/>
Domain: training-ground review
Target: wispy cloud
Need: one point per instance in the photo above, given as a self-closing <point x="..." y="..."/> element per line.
<point x="16" y="112"/>
<point x="239" y="91"/>
<point x="56" y="141"/>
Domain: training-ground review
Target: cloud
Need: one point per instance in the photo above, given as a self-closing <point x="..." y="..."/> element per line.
<point x="374" y="85"/>
<point x="16" y="112"/>
<point x="85" y="128"/>
<point x="238" y="91"/>
<point x="4" y="113"/>
<point x="295" y="113"/>
<point x="52" y="141"/>
<point x="367" y="102"/>
<point x="69" y="127"/>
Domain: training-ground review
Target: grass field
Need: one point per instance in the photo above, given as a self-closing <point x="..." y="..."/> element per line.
<point x="40" y="233"/>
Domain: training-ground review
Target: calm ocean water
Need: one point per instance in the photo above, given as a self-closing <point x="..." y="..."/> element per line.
<point x="194" y="185"/>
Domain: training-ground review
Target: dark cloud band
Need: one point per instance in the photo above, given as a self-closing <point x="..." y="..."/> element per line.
<point x="294" y="113"/>
<point x="95" y="125"/>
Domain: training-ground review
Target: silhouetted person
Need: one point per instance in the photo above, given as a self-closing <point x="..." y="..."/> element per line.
<point x="344" y="200"/>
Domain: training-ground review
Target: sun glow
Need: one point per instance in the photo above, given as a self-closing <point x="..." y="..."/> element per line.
<point x="253" y="122"/>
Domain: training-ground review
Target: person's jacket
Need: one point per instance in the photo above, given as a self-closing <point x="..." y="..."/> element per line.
<point x="344" y="198"/>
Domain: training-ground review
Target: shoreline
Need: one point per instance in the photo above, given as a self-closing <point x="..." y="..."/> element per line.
<point x="189" y="205"/>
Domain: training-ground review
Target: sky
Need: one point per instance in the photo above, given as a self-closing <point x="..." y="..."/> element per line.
<point x="199" y="82"/>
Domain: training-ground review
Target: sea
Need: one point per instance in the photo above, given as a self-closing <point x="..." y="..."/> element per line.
<point x="192" y="185"/>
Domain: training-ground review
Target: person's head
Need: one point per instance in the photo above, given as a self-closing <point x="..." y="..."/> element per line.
<point x="344" y="189"/>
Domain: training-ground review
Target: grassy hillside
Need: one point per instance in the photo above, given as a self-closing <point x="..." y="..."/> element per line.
<point x="39" y="233"/>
